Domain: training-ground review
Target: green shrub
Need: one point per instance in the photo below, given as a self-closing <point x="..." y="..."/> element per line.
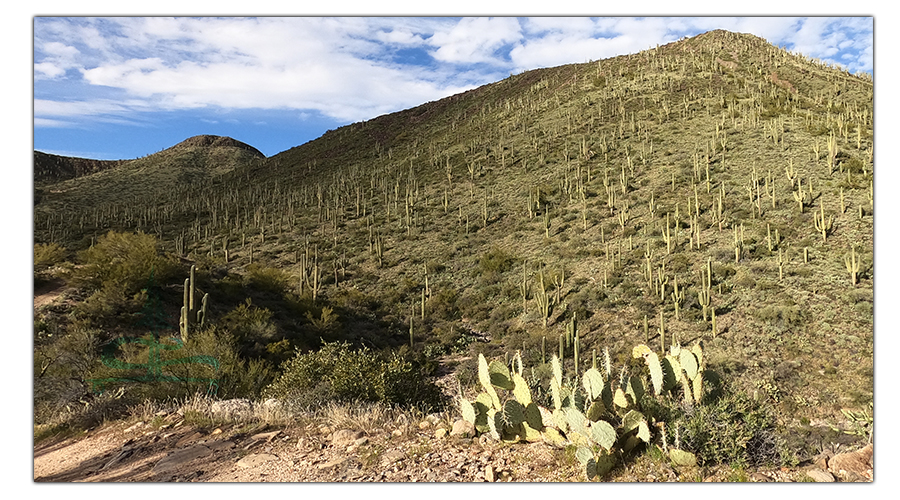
<point x="248" y="323"/>
<point x="734" y="429"/>
<point x="123" y="263"/>
<point x="788" y="315"/>
<point x="495" y="260"/>
<point x="47" y="255"/>
<point x="268" y="279"/>
<point x="339" y="372"/>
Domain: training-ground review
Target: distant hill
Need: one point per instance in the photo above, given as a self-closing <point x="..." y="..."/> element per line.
<point x="64" y="181"/>
<point x="50" y="168"/>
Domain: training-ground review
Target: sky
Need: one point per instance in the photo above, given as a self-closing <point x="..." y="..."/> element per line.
<point x="124" y="87"/>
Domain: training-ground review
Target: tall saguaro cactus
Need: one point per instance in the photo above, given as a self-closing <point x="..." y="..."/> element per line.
<point x="852" y="263"/>
<point x="190" y="315"/>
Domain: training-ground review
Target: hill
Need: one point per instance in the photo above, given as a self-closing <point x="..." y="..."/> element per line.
<point x="64" y="184"/>
<point x="717" y="190"/>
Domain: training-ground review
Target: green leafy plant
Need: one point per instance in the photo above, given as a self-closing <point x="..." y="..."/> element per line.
<point x="338" y="372"/>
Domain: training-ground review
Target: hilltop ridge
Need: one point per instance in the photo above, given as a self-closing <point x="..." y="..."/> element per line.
<point x="50" y="168"/>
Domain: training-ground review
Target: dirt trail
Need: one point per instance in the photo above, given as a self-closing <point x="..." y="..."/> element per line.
<point x="176" y="452"/>
<point x="237" y="453"/>
<point x="48" y="292"/>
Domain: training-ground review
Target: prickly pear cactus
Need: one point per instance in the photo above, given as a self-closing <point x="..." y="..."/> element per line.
<point x="599" y="416"/>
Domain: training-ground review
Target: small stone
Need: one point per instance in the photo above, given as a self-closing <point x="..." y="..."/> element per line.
<point x="441" y="433"/>
<point x="760" y="477"/>
<point x="332" y="462"/>
<point x="424" y="425"/>
<point x="267" y="436"/>
<point x="392" y="457"/>
<point x="218" y="430"/>
<point x="397" y="433"/>
<point x="819" y="475"/>
<point x="462" y="428"/>
<point x="345" y="437"/>
<point x="854" y="465"/>
<point x="489" y="474"/>
<point x="361" y="441"/>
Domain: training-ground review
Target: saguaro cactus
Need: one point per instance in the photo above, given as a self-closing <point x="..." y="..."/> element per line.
<point x="190" y="315"/>
<point x="852" y="263"/>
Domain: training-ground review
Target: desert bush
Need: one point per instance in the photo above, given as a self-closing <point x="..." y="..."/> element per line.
<point x="786" y="315"/>
<point x="495" y="260"/>
<point x="47" y="255"/>
<point x="443" y="304"/>
<point x="161" y="368"/>
<point x="337" y="372"/>
<point x="248" y="322"/>
<point x="62" y="366"/>
<point x="268" y="279"/>
<point x="123" y="263"/>
<point x="734" y="429"/>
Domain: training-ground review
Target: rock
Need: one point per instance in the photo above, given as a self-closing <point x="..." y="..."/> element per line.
<point x="251" y="461"/>
<point x="332" y="463"/>
<point x="391" y="457"/>
<point x="220" y="445"/>
<point x="397" y="433"/>
<point x="462" y="428"/>
<point x="854" y="465"/>
<point x="345" y="437"/>
<point x="489" y="474"/>
<point x="441" y="433"/>
<point x="122" y="455"/>
<point x="188" y="439"/>
<point x="218" y="430"/>
<point x="179" y="458"/>
<point x="820" y="476"/>
<point x="133" y="427"/>
<point x="760" y="477"/>
<point x="433" y="419"/>
<point x="546" y="416"/>
<point x="231" y="408"/>
<point x="265" y="436"/>
<point x="424" y="425"/>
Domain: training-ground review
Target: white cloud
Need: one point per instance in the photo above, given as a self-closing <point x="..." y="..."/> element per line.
<point x="48" y="70"/>
<point x="475" y="40"/>
<point x="345" y="68"/>
<point x="50" y="123"/>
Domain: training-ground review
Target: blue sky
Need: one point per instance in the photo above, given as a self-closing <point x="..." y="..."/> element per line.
<point x="111" y="88"/>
